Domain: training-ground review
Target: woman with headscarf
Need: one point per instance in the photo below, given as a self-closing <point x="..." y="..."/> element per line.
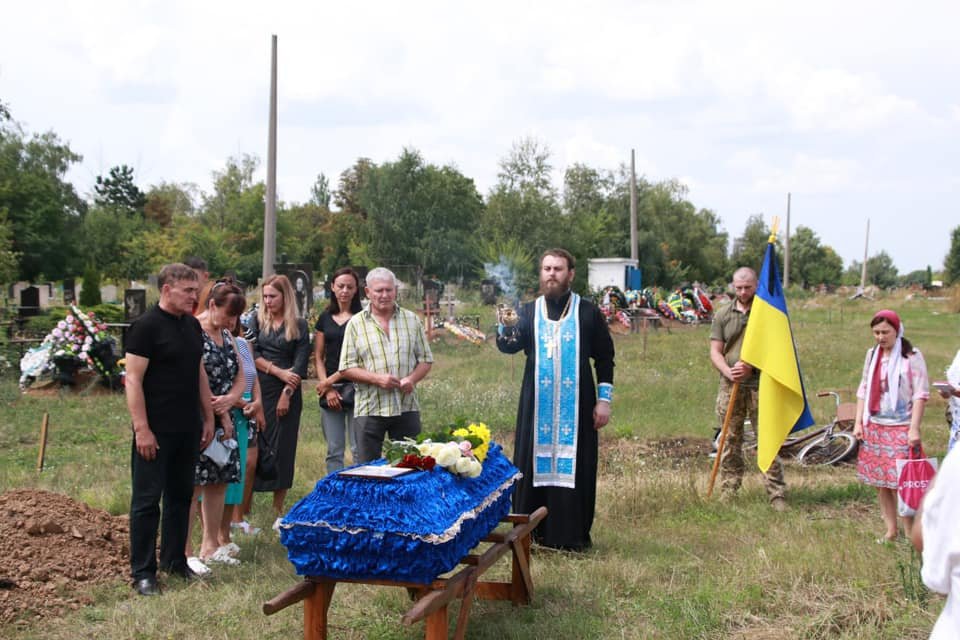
<point x="890" y="400"/>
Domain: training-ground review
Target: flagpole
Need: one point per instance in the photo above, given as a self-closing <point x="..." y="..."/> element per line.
<point x="723" y="436"/>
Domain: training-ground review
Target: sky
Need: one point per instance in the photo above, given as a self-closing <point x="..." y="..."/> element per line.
<point x="851" y="107"/>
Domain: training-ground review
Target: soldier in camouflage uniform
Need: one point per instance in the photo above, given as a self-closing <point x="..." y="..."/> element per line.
<point x="726" y="338"/>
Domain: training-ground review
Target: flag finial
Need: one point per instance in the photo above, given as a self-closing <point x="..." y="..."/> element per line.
<point x="773" y="230"/>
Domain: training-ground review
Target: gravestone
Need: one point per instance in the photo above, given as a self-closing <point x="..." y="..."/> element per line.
<point x="108" y="293"/>
<point x="69" y="291"/>
<point x="301" y="277"/>
<point x="29" y="301"/>
<point x="488" y="291"/>
<point x="134" y="304"/>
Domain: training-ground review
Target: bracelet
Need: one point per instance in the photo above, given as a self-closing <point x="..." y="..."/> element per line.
<point x="269" y="368"/>
<point x="605" y="392"/>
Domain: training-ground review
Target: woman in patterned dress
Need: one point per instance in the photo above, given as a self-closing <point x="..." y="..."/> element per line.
<point x="890" y="400"/>
<point x="220" y="360"/>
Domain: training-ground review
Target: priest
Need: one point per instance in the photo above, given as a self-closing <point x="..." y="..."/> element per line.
<point x="562" y="406"/>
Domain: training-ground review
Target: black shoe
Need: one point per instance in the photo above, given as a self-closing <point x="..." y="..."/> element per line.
<point x="147" y="587"/>
<point x="185" y="573"/>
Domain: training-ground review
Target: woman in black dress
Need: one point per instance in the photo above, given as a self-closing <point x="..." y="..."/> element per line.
<point x="281" y="352"/>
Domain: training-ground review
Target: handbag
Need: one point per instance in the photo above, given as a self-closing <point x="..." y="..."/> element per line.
<point x="266" y="459"/>
<point x="347" y="395"/>
<point x="913" y="479"/>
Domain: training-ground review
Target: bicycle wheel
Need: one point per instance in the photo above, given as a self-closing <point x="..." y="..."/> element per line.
<point x="828" y="450"/>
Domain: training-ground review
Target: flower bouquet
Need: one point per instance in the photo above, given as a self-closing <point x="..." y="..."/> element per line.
<point x="460" y="449"/>
<point x="79" y="340"/>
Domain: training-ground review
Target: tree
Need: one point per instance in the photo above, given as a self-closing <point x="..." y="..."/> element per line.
<point x="812" y="263"/>
<point x="951" y="265"/>
<point x="233" y="215"/>
<point x="168" y="200"/>
<point x="524" y="203"/>
<point x="421" y="215"/>
<point x="8" y="257"/>
<point x="880" y="271"/>
<point x="320" y="192"/>
<point x="90" y="293"/>
<point x="347" y="195"/>
<point x="119" y="191"/>
<point x="749" y="249"/>
<point x="43" y="209"/>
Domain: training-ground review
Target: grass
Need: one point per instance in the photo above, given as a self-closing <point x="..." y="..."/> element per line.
<point x="667" y="561"/>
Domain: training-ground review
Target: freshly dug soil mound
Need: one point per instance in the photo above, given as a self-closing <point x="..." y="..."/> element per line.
<point x="52" y="549"/>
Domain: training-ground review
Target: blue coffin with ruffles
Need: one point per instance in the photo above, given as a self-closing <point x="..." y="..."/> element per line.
<point x="410" y="528"/>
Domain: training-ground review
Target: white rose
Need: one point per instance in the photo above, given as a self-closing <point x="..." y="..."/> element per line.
<point x="463" y="466"/>
<point x="447" y="454"/>
<point x="474" y="468"/>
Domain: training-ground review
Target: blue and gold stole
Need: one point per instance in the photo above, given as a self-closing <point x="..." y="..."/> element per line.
<point x="556" y="398"/>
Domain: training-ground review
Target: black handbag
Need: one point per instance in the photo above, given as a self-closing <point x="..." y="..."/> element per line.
<point x="346" y="391"/>
<point x="266" y="459"/>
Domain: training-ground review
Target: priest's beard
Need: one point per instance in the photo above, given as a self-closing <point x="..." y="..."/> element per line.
<point x="554" y="289"/>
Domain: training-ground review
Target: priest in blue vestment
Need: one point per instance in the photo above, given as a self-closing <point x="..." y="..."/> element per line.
<point x="562" y="407"/>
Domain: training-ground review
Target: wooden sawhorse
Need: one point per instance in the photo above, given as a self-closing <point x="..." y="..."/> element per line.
<point x="431" y="600"/>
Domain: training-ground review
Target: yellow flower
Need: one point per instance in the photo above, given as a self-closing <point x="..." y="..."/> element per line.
<point x="480" y="430"/>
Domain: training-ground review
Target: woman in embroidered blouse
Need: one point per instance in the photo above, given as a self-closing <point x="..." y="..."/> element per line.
<point x="281" y="351"/>
<point x="890" y="400"/>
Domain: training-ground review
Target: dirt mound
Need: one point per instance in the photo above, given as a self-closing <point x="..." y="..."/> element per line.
<point x="54" y="549"/>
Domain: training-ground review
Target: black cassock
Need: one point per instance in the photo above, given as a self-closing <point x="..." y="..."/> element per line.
<point x="570" y="516"/>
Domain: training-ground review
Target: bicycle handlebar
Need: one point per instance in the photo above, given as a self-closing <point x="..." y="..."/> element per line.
<point x="824" y="394"/>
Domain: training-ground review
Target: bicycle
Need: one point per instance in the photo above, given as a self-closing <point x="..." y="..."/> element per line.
<point x="835" y="443"/>
<point x="825" y="445"/>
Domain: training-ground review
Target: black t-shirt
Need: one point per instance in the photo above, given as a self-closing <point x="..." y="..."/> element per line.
<point x="171" y="384"/>
<point x="332" y="341"/>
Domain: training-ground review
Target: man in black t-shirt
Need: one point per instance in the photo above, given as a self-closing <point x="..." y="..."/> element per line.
<point x="170" y="406"/>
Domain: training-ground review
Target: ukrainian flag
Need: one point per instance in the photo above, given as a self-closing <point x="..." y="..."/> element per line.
<point x="768" y="346"/>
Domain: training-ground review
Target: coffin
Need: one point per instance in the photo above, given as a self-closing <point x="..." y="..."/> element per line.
<point x="410" y="528"/>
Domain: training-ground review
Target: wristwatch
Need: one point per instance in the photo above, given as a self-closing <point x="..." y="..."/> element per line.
<point x="288" y="391"/>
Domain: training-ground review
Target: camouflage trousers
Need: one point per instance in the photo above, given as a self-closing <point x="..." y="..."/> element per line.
<point x="732" y="464"/>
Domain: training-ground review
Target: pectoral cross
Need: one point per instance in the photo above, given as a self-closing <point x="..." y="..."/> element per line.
<point x="551" y="345"/>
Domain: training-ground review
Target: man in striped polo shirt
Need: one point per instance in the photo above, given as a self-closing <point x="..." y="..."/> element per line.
<point x="386" y="353"/>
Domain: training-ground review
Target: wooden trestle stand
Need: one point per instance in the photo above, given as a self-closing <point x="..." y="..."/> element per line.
<point x="431" y="600"/>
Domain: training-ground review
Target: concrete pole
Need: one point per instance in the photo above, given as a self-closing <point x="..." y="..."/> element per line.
<point x="786" y="250"/>
<point x="270" y="211"/>
<point x="634" y="251"/>
<point x="863" y="270"/>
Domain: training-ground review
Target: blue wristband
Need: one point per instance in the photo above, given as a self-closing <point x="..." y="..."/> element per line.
<point x="605" y="392"/>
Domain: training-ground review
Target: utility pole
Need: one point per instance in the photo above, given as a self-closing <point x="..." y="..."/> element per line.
<point x="786" y="250"/>
<point x="634" y="251"/>
<point x="863" y="269"/>
<point x="270" y="211"/>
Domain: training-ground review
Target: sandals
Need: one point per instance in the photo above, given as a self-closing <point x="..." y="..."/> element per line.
<point x="222" y="556"/>
<point x="245" y="527"/>
<point x="197" y="566"/>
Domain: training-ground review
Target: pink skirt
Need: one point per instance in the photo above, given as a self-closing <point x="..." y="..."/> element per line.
<point x="880" y="449"/>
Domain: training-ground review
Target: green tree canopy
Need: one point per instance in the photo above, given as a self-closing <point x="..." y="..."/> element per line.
<point x="951" y="265"/>
<point x="812" y="263"/>
<point x="118" y="191"/>
<point x="421" y="215"/>
<point x="42" y="208"/>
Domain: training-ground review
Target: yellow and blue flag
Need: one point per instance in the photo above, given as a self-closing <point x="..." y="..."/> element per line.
<point x="768" y="346"/>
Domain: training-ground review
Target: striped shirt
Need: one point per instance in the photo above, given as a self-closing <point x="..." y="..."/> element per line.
<point x="249" y="368"/>
<point x="367" y="346"/>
